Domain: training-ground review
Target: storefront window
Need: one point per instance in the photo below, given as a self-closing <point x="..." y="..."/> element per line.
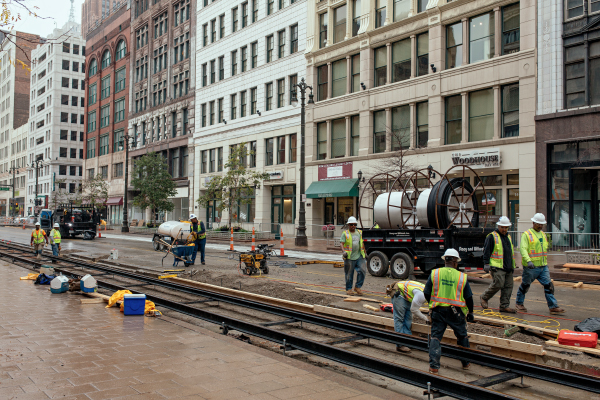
<point x="492" y="202"/>
<point x="345" y="209"/>
<point x="559" y="215"/>
<point x="589" y="151"/>
<point x="492" y="180"/>
<point x="283" y="207"/>
<point x="566" y="152"/>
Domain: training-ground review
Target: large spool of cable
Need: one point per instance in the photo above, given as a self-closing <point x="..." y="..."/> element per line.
<point x="396" y="214"/>
<point x="448" y="205"/>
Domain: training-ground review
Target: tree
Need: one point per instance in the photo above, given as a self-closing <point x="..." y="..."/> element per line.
<point x="155" y="185"/>
<point x="236" y="185"/>
<point x="61" y="195"/>
<point x="94" y="191"/>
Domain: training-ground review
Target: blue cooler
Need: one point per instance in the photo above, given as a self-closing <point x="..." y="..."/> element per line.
<point x="88" y="284"/>
<point x="134" y="304"/>
<point x="60" y="284"/>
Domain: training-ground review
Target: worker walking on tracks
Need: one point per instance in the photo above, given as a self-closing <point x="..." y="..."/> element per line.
<point x="353" y="253"/>
<point x="55" y="240"/>
<point x="450" y="300"/>
<point x="38" y="236"/>
<point x="499" y="261"/>
<point x="534" y="257"/>
<point x="200" y="242"/>
<point x="407" y="298"/>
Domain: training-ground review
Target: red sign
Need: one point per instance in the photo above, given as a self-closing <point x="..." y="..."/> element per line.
<point x="333" y="172"/>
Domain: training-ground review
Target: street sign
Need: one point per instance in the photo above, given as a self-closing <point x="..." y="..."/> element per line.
<point x="4" y="189"/>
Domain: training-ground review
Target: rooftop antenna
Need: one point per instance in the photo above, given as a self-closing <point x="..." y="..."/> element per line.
<point x="72" y="13"/>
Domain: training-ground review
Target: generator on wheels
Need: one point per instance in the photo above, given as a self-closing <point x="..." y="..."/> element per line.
<point x="255" y="262"/>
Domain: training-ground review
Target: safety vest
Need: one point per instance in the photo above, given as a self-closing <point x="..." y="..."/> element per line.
<point x="537" y="251"/>
<point x="376" y="226"/>
<point x="55" y="234"/>
<point x="38" y="236"/>
<point x="497" y="257"/>
<point x="448" y="287"/>
<point x="203" y="236"/>
<point x="348" y="243"/>
<point x="406" y="289"/>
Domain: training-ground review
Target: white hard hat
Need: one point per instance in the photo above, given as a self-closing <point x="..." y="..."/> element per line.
<point x="37" y="223"/>
<point x="192" y="216"/>
<point x="451" y="253"/>
<point x="539" y="219"/>
<point x="352" y="220"/>
<point x="503" y="221"/>
<point x="56" y="225"/>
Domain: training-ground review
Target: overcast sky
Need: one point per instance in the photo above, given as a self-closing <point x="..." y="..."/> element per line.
<point x="56" y="12"/>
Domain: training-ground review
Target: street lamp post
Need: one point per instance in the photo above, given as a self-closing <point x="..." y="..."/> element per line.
<point x="13" y="170"/>
<point x="125" y="144"/>
<point x="301" y="239"/>
<point x="36" y="165"/>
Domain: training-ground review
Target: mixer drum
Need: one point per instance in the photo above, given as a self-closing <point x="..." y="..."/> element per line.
<point x="175" y="229"/>
<point x="397" y="200"/>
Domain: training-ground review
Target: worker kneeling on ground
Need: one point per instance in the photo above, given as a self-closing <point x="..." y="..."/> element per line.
<point x="450" y="300"/>
<point x="407" y="298"/>
<point x="534" y="257"/>
<point x="353" y="252"/>
<point x="499" y="261"/>
<point x="55" y="240"/>
<point x="38" y="235"/>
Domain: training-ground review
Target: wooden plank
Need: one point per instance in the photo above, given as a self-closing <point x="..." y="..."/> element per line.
<point x="92" y="301"/>
<point x="578" y="285"/>
<point x="585" y="267"/>
<point x="352" y="299"/>
<point x="589" y="350"/>
<point x="368" y="307"/>
<point x="340" y="295"/>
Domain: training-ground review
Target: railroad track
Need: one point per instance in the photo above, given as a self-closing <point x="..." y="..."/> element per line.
<point x="509" y="369"/>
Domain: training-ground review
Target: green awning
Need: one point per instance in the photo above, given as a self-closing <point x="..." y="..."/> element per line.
<point x="339" y="188"/>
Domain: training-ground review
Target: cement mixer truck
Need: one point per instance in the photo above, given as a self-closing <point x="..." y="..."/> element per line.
<point x="417" y="219"/>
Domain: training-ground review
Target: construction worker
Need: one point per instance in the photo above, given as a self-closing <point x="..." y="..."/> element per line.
<point x="200" y="232"/>
<point x="37" y="240"/>
<point x="499" y="261"/>
<point x="55" y="239"/>
<point x="407" y="298"/>
<point x="450" y="300"/>
<point x="353" y="253"/>
<point x="534" y="253"/>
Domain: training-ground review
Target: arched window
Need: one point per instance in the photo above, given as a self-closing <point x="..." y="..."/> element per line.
<point x="121" y="50"/>
<point x="93" y="67"/>
<point x="105" y="59"/>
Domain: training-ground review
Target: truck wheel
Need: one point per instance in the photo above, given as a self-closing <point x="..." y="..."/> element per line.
<point x="156" y="244"/>
<point x="401" y="265"/>
<point x="377" y="263"/>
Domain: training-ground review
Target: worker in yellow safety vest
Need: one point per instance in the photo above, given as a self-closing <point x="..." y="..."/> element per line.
<point x="534" y="253"/>
<point x="199" y="231"/>
<point x="38" y="236"/>
<point x="353" y="253"/>
<point x="407" y="298"/>
<point x="499" y="261"/>
<point x="450" y="300"/>
<point x="55" y="239"/>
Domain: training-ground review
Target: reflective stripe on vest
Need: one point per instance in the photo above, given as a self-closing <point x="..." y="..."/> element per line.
<point x="448" y="295"/>
<point x="347" y="245"/>
<point x="406" y="289"/>
<point x="497" y="257"/>
<point x="537" y="251"/>
<point x="55" y="236"/>
<point x="38" y="236"/>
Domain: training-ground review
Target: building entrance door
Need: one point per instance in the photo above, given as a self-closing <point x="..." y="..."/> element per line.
<point x="513" y="207"/>
<point x="329" y="212"/>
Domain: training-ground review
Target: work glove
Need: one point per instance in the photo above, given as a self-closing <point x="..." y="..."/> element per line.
<point x="486" y="268"/>
<point x="345" y="255"/>
<point x="470" y="317"/>
<point x="530" y="264"/>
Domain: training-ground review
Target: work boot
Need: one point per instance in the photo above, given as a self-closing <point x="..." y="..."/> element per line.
<point x="521" y="308"/>
<point x="466" y="367"/>
<point x="508" y="310"/>
<point x="350" y="292"/>
<point x="557" y="310"/>
<point x="433" y="370"/>
<point x="484" y="303"/>
<point x="402" y="349"/>
<point x="358" y="291"/>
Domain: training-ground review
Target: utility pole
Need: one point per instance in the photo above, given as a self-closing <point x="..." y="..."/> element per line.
<point x="125" y="144"/>
<point x="36" y="165"/>
<point x="12" y="170"/>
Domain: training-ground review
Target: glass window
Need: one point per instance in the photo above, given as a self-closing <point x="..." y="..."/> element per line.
<point x="92" y="94"/>
<point x="269" y="151"/>
<point x="91" y="148"/>
<point x="281" y="44"/>
<point x="118" y="141"/>
<point x="253" y="101"/>
<point x="245" y="15"/>
<point x="270" y="44"/>
<point x="121" y="50"/>
<point x="270" y="6"/>
<point x="355" y="84"/>
<point x="422" y="124"/>
<point x="454" y="40"/>
<point x="323" y="30"/>
<point x="339" y="22"/>
<point x="401" y="9"/>
<point x="203" y="169"/>
<point x="453" y="119"/>
<point x="120" y="80"/>
<point x="481" y="115"/>
<point x="356" y="11"/>
<point x="510" y="110"/>
<point x="421" y="5"/>
<point x="293" y="87"/>
<point x="354" y="135"/>
<point x="321" y="140"/>
<point x="379" y="131"/>
<point x="105" y="87"/>
<point x="252" y="154"/>
<point x="233" y="104"/>
<point x="106" y="59"/>
<point x="594" y="5"/>
<point x="401" y="60"/>
<point x="380" y="66"/>
<point x="254" y="54"/>
<point x="511" y="34"/>
<point x="103" y="150"/>
<point x="104" y="116"/>
<point x="423" y="54"/>
<point x="400" y="127"/>
<point x="575" y="83"/>
<point x="566" y="152"/>
<point x="489" y="180"/>
<point x="322" y="76"/>
<point x="269" y="96"/>
<point x="244" y="58"/>
<point x="220" y="110"/>
<point x="211" y="113"/>
<point x="220" y="159"/>
<point x="380" y="13"/>
<point x="492" y="203"/>
<point x="339" y="72"/>
<point x="574" y="8"/>
<point x="338" y="138"/>
<point x="242" y="104"/>
<point x="280" y="92"/>
<point x="293" y="147"/>
<point x="512" y="179"/>
<point x="589" y="150"/>
<point x="93" y="67"/>
<point x="120" y="110"/>
<point x="481" y="46"/>
<point x="293" y="39"/>
<point x="281" y="150"/>
<point x="594" y="71"/>
<point x="234" y="19"/>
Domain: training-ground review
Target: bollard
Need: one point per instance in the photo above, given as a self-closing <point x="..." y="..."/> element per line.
<point x="253" y="240"/>
<point x="281" y="253"/>
<point x="231" y="240"/>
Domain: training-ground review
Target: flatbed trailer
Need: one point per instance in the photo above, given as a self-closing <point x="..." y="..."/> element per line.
<point x="403" y="250"/>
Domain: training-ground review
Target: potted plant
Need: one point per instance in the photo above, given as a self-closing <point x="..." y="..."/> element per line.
<point x="328" y="230"/>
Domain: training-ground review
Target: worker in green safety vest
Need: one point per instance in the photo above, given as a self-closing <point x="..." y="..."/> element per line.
<point x="534" y="257"/>
<point x="55" y="239"/>
<point x="199" y="231"/>
<point x="450" y="300"/>
<point x="38" y="236"/>
<point x="407" y="298"/>
<point x="499" y="261"/>
<point x="353" y="253"/>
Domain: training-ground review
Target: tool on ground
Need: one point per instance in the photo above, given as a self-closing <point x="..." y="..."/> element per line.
<point x="579" y="339"/>
<point x="511" y="330"/>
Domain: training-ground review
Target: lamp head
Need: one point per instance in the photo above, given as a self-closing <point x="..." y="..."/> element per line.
<point x="294" y="99"/>
<point x="310" y="98"/>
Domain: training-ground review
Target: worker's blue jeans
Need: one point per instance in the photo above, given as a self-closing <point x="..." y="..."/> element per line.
<point x="402" y="315"/>
<point x="441" y="317"/>
<point x="542" y="274"/>
<point x="54" y="249"/>
<point x="200" y="246"/>
<point x="360" y="266"/>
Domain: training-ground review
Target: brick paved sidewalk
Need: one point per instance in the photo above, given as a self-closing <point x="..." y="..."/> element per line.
<point x="51" y="346"/>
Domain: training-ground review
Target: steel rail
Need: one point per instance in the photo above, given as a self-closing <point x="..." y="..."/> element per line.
<point x="524" y="368"/>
